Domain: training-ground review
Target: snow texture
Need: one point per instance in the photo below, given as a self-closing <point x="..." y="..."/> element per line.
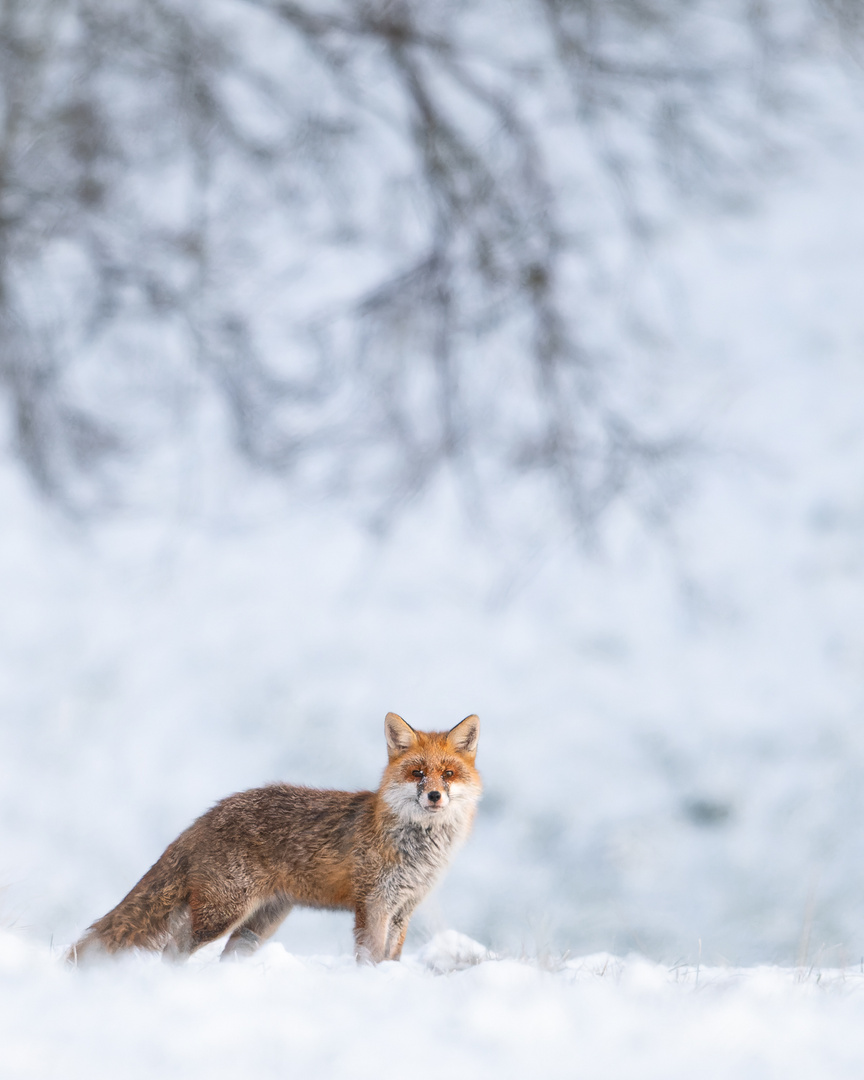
<point x="452" y="1008"/>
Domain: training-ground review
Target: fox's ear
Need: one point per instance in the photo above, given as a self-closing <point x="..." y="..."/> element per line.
<point x="400" y="736"/>
<point x="464" y="736"/>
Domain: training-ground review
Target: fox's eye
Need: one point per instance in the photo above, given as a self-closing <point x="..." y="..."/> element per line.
<point x="447" y="774"/>
<point x="418" y="774"/>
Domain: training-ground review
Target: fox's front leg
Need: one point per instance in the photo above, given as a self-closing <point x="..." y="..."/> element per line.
<point x="371" y="927"/>
<point x="396" y="937"/>
<point x="398" y="930"/>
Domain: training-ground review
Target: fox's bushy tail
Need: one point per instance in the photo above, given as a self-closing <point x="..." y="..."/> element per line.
<point x="143" y="917"/>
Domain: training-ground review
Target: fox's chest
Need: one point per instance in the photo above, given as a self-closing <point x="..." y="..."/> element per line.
<point x="422" y="854"/>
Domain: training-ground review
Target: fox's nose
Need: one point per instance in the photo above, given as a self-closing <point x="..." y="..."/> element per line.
<point x="433" y="796"/>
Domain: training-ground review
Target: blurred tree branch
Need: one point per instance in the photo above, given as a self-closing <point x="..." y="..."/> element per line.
<point x="386" y="235"/>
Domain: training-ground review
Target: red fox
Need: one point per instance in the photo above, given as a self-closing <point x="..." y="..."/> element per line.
<point x="246" y="862"/>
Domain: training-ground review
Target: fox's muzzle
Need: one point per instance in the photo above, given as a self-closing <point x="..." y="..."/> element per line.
<point x="434" y="799"/>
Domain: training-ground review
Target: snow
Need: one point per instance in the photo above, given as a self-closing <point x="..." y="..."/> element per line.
<point x="450" y="1008"/>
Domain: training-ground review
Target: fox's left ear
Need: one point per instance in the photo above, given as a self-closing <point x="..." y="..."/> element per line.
<point x="464" y="736"/>
<point x="400" y="736"/>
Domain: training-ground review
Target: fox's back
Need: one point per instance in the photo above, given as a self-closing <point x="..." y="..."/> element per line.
<point x="304" y="842"/>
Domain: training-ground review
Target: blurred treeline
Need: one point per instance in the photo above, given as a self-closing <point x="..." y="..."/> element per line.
<point x="369" y="237"/>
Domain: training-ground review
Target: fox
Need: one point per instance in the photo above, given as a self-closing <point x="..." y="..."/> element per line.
<point x="243" y="865"/>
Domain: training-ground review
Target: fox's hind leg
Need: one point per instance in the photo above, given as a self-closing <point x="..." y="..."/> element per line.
<point x="209" y="915"/>
<point x="260" y="925"/>
<point x="178" y="945"/>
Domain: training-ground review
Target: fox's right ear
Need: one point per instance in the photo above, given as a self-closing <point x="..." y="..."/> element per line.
<point x="400" y="736"/>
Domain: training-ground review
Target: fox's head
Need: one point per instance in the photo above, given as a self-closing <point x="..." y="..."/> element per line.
<point x="431" y="774"/>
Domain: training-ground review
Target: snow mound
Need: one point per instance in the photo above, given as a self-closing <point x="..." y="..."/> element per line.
<point x="452" y="951"/>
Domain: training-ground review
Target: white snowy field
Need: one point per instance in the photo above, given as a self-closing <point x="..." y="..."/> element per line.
<point x="450" y="1009"/>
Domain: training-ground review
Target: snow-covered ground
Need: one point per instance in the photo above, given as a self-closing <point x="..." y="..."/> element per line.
<point x="449" y="1010"/>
